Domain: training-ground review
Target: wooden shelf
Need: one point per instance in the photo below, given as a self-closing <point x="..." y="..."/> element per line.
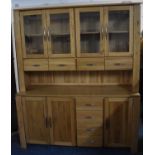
<point x="118" y="32"/>
<point x="60" y="34"/>
<point x="57" y="90"/>
<point x="84" y="33"/>
<point x="34" y="35"/>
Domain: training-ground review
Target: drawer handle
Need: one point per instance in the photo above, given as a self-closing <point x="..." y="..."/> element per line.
<point x="90" y="64"/>
<point x="88" y="117"/>
<point x="36" y="65"/>
<point x="89" y="105"/>
<point x="61" y="65"/>
<point x="91" y="129"/>
<point x="92" y="141"/>
<point x="118" y="64"/>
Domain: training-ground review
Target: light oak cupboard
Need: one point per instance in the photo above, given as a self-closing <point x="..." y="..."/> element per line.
<point x="78" y="70"/>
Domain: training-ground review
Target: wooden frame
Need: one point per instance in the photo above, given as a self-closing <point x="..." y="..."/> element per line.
<point x="78" y="44"/>
<point x="19" y="51"/>
<point x="27" y="13"/>
<point x="71" y="28"/>
<point x="125" y="53"/>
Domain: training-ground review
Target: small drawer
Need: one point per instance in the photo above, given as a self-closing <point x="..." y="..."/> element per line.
<point x="89" y="118"/>
<point x="90" y="131"/>
<point x="90" y="64"/>
<point x="35" y="65"/>
<point x="62" y="64"/>
<point x="85" y="103"/>
<point x="90" y="141"/>
<point x="113" y="63"/>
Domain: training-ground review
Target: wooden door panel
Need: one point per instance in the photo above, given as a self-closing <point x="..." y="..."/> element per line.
<point x="61" y="111"/>
<point x="117" y="121"/>
<point x="34" y="109"/>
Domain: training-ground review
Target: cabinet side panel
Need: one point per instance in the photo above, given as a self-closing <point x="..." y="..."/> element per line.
<point x="136" y="49"/>
<point x="21" y="127"/>
<point x="135" y="123"/>
<point x="19" y="51"/>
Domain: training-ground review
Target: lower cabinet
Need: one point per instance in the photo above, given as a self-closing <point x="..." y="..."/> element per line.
<point x="49" y="121"/>
<point x="83" y="121"/>
<point x="117" y="120"/>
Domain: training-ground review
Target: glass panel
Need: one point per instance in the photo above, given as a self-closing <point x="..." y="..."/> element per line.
<point x="60" y="33"/>
<point x="90" y="32"/>
<point x="33" y="31"/>
<point x="118" y="31"/>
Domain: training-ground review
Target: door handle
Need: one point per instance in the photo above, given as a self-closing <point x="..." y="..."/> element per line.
<point x="48" y="34"/>
<point x="50" y="122"/>
<point x="46" y="122"/>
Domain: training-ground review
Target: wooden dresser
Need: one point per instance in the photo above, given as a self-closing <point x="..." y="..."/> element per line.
<point x="78" y="70"/>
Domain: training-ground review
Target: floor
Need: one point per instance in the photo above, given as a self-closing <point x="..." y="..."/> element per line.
<point x="57" y="150"/>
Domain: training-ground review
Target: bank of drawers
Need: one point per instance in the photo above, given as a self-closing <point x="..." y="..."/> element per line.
<point x="89" y="115"/>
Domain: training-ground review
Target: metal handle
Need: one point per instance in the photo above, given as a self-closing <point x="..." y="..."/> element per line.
<point x="107" y="124"/>
<point x="36" y="65"/>
<point x="50" y="122"/>
<point x="44" y="34"/>
<point x="90" y="64"/>
<point x="88" y="117"/>
<point x="61" y="65"/>
<point x="91" y="129"/>
<point x="102" y="32"/>
<point x="117" y="64"/>
<point x="46" y="122"/>
<point x="87" y="104"/>
<point x="106" y="32"/>
<point x="48" y="34"/>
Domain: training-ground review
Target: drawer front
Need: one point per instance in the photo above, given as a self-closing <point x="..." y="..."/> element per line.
<point x="35" y="64"/>
<point x="90" y="64"/>
<point x="90" y="131"/>
<point x="89" y="118"/>
<point x="92" y="141"/>
<point x="62" y="64"/>
<point x="85" y="103"/>
<point x="112" y="63"/>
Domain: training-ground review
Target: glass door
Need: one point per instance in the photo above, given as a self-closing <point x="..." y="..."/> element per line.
<point x="119" y="31"/>
<point x="61" y="33"/>
<point x="33" y="34"/>
<point x="89" y="31"/>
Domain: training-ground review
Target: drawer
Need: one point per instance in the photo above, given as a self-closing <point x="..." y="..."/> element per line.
<point x="35" y="65"/>
<point x="89" y="118"/>
<point x="90" y="64"/>
<point x="92" y="141"/>
<point x="90" y="131"/>
<point x="85" y="103"/>
<point x="62" y="64"/>
<point x="112" y="63"/>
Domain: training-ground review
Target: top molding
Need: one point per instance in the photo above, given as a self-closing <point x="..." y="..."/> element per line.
<point x="36" y="4"/>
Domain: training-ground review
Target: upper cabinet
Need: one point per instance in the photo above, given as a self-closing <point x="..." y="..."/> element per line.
<point x="89" y="38"/>
<point x="33" y="34"/>
<point x="60" y="25"/>
<point x="119" y="31"/>
<point x="93" y="32"/>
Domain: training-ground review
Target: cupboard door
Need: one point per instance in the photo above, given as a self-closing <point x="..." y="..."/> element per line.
<point x="61" y="33"/>
<point x="117" y="122"/>
<point x="119" y="31"/>
<point x="33" y="34"/>
<point x="89" y="35"/>
<point x="62" y="114"/>
<point x="35" y="120"/>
